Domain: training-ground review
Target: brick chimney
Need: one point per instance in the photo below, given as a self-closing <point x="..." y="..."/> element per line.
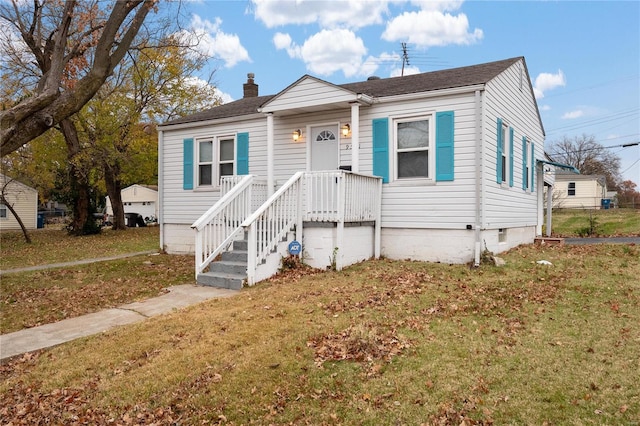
<point x="250" y="88"/>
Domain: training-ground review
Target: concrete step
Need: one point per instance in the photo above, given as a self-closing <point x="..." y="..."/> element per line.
<point x="222" y="280"/>
<point x="228" y="266"/>
<point x="240" y="245"/>
<point x="234" y="256"/>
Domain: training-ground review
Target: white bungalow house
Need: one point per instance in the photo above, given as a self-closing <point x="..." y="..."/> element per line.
<point x="23" y="199"/>
<point x="579" y="191"/>
<point x="141" y="199"/>
<point x="434" y="167"/>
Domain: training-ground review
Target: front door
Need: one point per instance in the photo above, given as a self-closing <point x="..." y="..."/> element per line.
<point x="325" y="148"/>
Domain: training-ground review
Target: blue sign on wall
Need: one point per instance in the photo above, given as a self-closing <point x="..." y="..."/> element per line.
<point x="295" y="247"/>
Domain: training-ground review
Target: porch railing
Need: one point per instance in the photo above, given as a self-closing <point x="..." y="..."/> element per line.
<point x="271" y="223"/>
<point x="331" y="196"/>
<point x="335" y="196"/>
<point x="220" y="225"/>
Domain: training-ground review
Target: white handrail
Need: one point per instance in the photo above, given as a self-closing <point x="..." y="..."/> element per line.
<point x="220" y="225"/>
<point x="270" y="223"/>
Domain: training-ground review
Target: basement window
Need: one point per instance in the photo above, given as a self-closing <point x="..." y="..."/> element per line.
<point x="502" y="235"/>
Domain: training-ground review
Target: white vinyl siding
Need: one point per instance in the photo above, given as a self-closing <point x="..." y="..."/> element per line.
<point x="505" y="206"/>
<point x="406" y="203"/>
<point x="578" y="191"/>
<point x="424" y="203"/>
<point x="24" y="201"/>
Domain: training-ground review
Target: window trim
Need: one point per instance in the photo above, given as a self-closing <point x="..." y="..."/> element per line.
<point x="5" y="209"/>
<point x="526" y="165"/>
<point x="215" y="162"/>
<point x="430" y="149"/>
<point x="571" y="187"/>
<point x="504" y="163"/>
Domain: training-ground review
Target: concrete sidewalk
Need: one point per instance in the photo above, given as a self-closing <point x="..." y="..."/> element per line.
<point x="49" y="335"/>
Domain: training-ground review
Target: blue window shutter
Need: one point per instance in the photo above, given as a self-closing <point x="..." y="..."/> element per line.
<point x="533" y="166"/>
<point x="524" y="163"/>
<point x="499" y="152"/>
<point x="381" y="148"/>
<point x="444" y="146"/>
<point x="510" y="156"/>
<point x="242" y="153"/>
<point x="187" y="164"/>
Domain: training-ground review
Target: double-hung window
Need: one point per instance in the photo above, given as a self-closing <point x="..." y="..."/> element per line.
<point x="503" y="151"/>
<point x="413" y="148"/>
<point x="571" y="190"/>
<point x="525" y="164"/>
<point x="3" y="211"/>
<point x="215" y="159"/>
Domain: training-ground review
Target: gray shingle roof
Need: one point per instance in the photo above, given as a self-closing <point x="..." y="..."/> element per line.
<point x="435" y="80"/>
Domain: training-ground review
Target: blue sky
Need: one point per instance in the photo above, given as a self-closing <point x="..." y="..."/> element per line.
<point x="583" y="56"/>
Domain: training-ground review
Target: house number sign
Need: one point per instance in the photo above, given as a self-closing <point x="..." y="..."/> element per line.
<point x="295" y="248"/>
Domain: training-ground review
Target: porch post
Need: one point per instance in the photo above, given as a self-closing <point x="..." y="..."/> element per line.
<point x="339" y="254"/>
<point x="270" y="183"/>
<point x="549" y="208"/>
<point x="355" y="137"/>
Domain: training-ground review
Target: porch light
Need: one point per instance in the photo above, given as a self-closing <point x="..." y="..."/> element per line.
<point x="346" y="129"/>
<point x="297" y="134"/>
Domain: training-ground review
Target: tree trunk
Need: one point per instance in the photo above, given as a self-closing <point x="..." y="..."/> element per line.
<point x="114" y="191"/>
<point x="80" y="187"/>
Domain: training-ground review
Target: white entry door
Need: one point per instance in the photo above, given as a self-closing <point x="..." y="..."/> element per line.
<point x="325" y="148"/>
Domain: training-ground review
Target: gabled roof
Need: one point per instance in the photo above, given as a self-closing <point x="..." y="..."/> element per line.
<point x="416" y="83"/>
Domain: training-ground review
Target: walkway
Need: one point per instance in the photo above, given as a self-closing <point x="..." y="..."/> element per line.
<point x="48" y="335"/>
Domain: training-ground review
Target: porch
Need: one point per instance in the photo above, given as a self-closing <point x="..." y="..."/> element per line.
<point x="242" y="238"/>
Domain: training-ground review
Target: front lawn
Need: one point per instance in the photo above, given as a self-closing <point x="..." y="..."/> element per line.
<point x="381" y="342"/>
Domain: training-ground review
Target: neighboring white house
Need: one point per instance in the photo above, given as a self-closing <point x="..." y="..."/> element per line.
<point x="142" y="199"/>
<point x="458" y="154"/>
<point x="579" y="191"/>
<point x="24" y="201"/>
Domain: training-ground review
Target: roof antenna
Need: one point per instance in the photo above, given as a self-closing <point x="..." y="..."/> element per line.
<point x="405" y="57"/>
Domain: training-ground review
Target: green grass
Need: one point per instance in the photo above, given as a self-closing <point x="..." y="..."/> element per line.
<point x="605" y="223"/>
<point x="29" y="299"/>
<point x="56" y="246"/>
<point x="381" y="342"/>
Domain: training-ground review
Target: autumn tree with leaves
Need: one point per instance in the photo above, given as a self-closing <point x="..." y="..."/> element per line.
<point x="56" y="38"/>
<point x="628" y="196"/>
<point x="151" y="85"/>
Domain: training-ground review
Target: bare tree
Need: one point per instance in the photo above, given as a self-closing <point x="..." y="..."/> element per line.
<point x="55" y="37"/>
<point x="589" y="157"/>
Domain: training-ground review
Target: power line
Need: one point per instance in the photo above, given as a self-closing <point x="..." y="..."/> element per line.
<point x="598" y="148"/>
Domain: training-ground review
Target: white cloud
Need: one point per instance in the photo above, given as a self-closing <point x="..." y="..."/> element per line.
<point x="328" y="14"/>
<point x="329" y="51"/>
<point x="571" y="115"/>
<point x="409" y="70"/>
<point x="546" y="81"/>
<point x="283" y="41"/>
<point x="426" y="28"/>
<point x="544" y="108"/>
<point x="218" y="44"/>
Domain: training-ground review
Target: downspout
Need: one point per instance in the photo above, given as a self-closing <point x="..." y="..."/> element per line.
<point x="479" y="182"/>
<point x="540" y="196"/>
<point x="270" y="180"/>
<point x="549" y="208"/>
<point x="161" y="187"/>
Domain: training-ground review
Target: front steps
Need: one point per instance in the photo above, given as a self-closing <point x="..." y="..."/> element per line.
<point x="228" y="272"/>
